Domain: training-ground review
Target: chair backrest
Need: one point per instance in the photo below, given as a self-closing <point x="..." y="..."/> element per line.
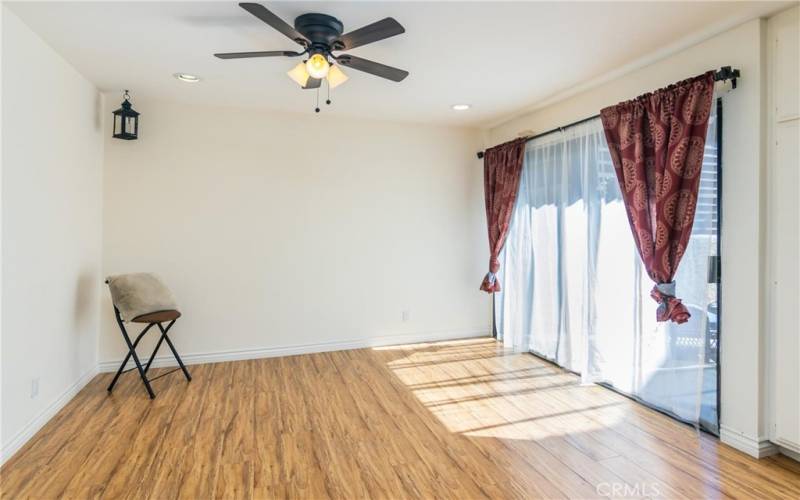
<point x="137" y="294"/>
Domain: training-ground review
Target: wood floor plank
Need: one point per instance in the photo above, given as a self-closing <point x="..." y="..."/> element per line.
<point x="461" y="419"/>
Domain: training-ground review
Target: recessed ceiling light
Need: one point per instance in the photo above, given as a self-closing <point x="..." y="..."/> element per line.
<point x="186" y="77"/>
<point x="461" y="107"/>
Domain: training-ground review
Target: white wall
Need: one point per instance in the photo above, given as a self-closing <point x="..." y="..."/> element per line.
<point x="742" y="344"/>
<point x="278" y="231"/>
<point x="51" y="230"/>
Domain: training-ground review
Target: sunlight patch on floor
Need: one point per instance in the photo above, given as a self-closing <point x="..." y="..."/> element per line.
<point x="478" y="388"/>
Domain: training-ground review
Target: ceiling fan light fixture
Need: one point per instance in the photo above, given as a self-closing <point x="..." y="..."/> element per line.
<point x="336" y="77"/>
<point x="299" y="74"/>
<point x="318" y="66"/>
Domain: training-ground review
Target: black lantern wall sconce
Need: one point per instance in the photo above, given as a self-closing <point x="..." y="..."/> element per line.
<point x="126" y="121"/>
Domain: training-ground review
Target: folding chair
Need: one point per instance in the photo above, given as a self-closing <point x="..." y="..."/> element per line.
<point x="143" y="298"/>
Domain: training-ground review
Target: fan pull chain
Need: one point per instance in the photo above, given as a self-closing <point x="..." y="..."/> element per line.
<point x="328" y="86"/>
<point x="317" y="108"/>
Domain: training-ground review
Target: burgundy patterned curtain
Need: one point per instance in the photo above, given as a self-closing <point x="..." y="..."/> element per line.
<point x="656" y="142"/>
<point x="502" y="167"/>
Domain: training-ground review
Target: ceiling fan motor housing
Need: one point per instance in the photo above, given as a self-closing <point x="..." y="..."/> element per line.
<point x="320" y="29"/>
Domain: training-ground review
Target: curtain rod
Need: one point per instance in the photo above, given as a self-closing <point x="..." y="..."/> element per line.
<point x="724" y="73"/>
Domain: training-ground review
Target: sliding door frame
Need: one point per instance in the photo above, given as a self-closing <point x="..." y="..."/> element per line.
<point x="718" y="279"/>
<point x="718" y="260"/>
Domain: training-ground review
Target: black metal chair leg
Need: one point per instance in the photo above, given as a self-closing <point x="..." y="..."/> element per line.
<point x="144" y="376"/>
<point x="141" y="370"/>
<point x="119" y="372"/>
<point x="155" y="351"/>
<point x="132" y="352"/>
<point x="174" y="352"/>
<point x="127" y="356"/>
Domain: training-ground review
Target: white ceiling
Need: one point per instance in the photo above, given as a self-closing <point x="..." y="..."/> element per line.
<point x="498" y="57"/>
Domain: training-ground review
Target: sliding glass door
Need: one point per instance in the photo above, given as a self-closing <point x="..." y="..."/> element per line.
<point x="575" y="290"/>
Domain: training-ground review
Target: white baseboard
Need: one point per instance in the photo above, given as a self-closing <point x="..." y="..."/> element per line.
<point x="789" y="452"/>
<point x="27" y="432"/>
<point x="272" y="352"/>
<point x="755" y="447"/>
<point x="787" y="447"/>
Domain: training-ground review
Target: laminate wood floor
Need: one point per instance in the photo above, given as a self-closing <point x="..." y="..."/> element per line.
<point x="462" y="419"/>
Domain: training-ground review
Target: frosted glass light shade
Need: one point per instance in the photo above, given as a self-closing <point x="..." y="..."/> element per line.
<point x="336" y="77"/>
<point x="299" y="74"/>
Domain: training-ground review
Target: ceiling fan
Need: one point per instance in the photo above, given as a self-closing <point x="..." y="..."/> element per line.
<point x="320" y="35"/>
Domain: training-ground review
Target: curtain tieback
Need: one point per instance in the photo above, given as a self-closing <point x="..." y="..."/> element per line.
<point x="490" y="283"/>
<point x="670" y="307"/>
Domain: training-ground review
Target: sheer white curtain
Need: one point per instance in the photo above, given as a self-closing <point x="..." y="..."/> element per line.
<point x="575" y="291"/>
<point x="548" y="263"/>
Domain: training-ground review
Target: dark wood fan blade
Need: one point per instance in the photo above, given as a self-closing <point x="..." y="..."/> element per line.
<point x="276" y="22"/>
<point x="379" y="30"/>
<point x="313" y="83"/>
<point x="378" y="69"/>
<point x="242" y="55"/>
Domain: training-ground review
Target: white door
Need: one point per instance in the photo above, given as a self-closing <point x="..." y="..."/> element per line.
<point x="783" y="229"/>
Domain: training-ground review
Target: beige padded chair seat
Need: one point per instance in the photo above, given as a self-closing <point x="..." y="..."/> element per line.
<point x="157" y="317"/>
